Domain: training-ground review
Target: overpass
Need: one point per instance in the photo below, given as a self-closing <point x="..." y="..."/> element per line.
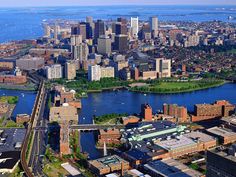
<point x="93" y="127"/>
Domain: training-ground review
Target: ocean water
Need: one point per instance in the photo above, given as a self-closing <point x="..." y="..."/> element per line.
<point x="25" y="23"/>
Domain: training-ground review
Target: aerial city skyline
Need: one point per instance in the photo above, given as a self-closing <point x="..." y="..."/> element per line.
<point x="136" y="89"/>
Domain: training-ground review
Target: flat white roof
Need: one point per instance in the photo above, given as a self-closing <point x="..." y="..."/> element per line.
<point x="112" y="175"/>
<point x="73" y="171"/>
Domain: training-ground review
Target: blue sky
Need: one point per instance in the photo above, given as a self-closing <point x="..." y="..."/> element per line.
<point x="23" y="3"/>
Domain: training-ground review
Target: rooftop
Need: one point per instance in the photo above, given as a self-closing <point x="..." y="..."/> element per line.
<point x="202" y="137"/>
<point x="175" y="143"/>
<point x="11" y="139"/>
<point x="221" y="131"/>
<point x="108" y="161"/>
<point x="171" y="168"/>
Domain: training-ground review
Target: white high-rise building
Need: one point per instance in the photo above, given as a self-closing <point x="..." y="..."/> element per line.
<point x="54" y="71"/>
<point x="163" y="67"/>
<point x="47" y="30"/>
<point x="94" y="73"/>
<point x="134" y="26"/>
<point x="154" y="26"/>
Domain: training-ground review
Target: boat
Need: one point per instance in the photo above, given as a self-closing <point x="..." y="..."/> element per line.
<point x="22" y="94"/>
<point x="145" y="94"/>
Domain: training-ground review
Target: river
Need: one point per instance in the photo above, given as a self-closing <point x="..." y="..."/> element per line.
<point x="25" y="103"/>
<point x="124" y="101"/>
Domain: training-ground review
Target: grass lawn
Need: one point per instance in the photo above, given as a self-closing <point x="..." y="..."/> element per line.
<point x="178" y="87"/>
<point x="175" y="85"/>
<point x="9" y="99"/>
<point x="54" y="169"/>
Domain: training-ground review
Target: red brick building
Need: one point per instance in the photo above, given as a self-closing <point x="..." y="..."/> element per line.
<point x="22" y="118"/>
<point x="109" y="136"/>
<point x="11" y="79"/>
<point x="180" y="113"/>
<point x="146" y="112"/>
<point x="219" y="109"/>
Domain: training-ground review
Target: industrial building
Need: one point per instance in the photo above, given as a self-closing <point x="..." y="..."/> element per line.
<point x="224" y="135"/>
<point x="170" y="168"/>
<point x="221" y="162"/>
<point x="108" y="165"/>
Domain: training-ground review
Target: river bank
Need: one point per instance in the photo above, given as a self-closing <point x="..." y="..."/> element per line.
<point x="28" y="87"/>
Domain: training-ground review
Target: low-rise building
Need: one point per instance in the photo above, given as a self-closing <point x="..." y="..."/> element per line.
<point x="109" y="136"/>
<point x="22" y="118"/>
<point x="29" y="63"/>
<point x="108" y="165"/>
<point x="170" y="167"/>
<point x="225" y="136"/>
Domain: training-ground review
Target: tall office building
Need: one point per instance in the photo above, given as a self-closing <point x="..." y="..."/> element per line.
<point x="56" y="32"/>
<point x="80" y="52"/>
<point x="104" y="45"/>
<point x="99" y="29"/>
<point x="70" y="70"/>
<point x="134" y="26"/>
<point x="120" y="28"/>
<point x="221" y="162"/>
<point x="75" y="40"/>
<point x="47" y="30"/>
<point x="82" y="31"/>
<point x="90" y="27"/>
<point x="75" y="29"/>
<point x="54" y="71"/>
<point x="163" y="67"/>
<point x="89" y="19"/>
<point x="122" y="20"/>
<point x="154" y="26"/>
<point x="94" y="73"/>
<point x="121" y="43"/>
<point x="79" y="49"/>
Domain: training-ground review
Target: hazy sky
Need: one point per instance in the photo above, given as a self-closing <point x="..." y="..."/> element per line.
<point x="12" y="3"/>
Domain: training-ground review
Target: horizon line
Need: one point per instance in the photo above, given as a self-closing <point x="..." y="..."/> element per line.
<point x="102" y="5"/>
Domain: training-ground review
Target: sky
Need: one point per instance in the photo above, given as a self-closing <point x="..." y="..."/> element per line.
<point x="35" y="3"/>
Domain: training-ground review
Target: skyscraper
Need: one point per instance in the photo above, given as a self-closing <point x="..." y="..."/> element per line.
<point x="99" y="29"/>
<point x="82" y="30"/>
<point x="121" y="43"/>
<point x="134" y="26"/>
<point x="75" y="29"/>
<point x="154" y="26"/>
<point x="104" y="45"/>
<point x="47" y="30"/>
<point x="120" y="28"/>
